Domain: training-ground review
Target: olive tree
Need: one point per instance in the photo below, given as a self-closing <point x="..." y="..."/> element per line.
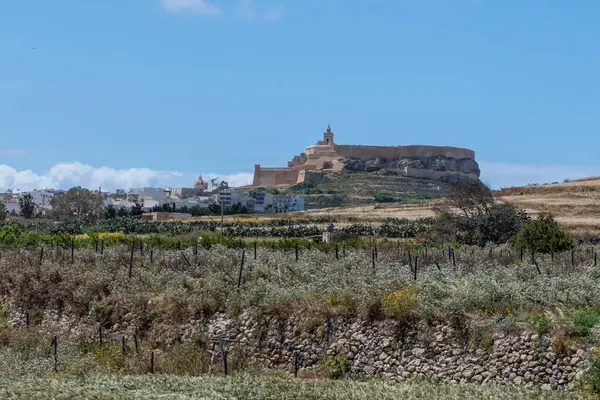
<point x="77" y="203"/>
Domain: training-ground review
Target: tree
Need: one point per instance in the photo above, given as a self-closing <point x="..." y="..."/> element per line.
<point x="137" y="209"/>
<point x="77" y="202"/>
<point x="542" y="235"/>
<point x="110" y="212"/>
<point x="27" y="206"/>
<point x="471" y="198"/>
<point x="3" y="211"/>
<point x="468" y="214"/>
<point x="500" y="224"/>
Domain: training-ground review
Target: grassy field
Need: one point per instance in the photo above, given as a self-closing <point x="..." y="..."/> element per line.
<point x="252" y="387"/>
<point x="575" y="205"/>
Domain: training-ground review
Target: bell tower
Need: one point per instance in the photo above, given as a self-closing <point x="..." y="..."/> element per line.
<point x="328" y="136"/>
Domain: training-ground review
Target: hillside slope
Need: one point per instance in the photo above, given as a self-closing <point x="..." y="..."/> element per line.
<point x="367" y="188"/>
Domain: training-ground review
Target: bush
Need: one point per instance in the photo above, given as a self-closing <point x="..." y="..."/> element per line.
<point x="543" y="324"/>
<point x="583" y="322"/>
<point x="335" y="367"/>
<point x="497" y="225"/>
<point x="481" y="337"/>
<point x="592" y="380"/>
<point x="384" y="197"/>
<point x="400" y="304"/>
<point x="542" y="235"/>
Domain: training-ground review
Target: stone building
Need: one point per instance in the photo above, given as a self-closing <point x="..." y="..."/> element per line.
<point x="326" y="158"/>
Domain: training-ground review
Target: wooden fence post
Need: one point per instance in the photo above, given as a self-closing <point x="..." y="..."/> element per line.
<point x="373" y="258"/>
<point x="55" y="352"/>
<point x="102" y="247"/>
<point x="136" y="343"/>
<point x="521" y="254"/>
<point x="337" y="255"/>
<point x="130" y="272"/>
<point x="223" y="354"/>
<point x="100" y="335"/>
<point x="241" y="269"/>
<point x="255" y="249"/>
<point x="416" y="266"/>
<point x="152" y="362"/>
<point x="296" y="364"/>
<point x="453" y="259"/>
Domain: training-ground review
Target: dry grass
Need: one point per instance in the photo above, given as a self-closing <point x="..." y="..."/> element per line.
<point x="254" y="387"/>
<point x="575" y="204"/>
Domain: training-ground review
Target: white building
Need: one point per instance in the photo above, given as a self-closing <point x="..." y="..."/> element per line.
<point x="147" y="193"/>
<point x="296" y="203"/>
<point x="229" y="197"/>
<point x="263" y="202"/>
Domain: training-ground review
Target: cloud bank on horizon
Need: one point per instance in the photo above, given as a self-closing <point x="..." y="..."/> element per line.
<point x="66" y="175"/>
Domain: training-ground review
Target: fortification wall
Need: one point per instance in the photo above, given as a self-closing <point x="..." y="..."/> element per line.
<point x="369" y="152"/>
<point x="275" y="176"/>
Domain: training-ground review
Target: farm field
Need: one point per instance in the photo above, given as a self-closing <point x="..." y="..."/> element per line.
<point x="91" y="299"/>
<point x="575" y="205"/>
<point x="246" y="386"/>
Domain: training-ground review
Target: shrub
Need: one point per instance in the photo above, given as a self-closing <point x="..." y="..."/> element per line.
<point x="109" y="357"/>
<point x="592" y="381"/>
<point x="542" y="235"/>
<point x="481" y="337"/>
<point x="335" y="367"/>
<point x="583" y="322"/>
<point x="543" y="324"/>
<point x="400" y="304"/>
<point x="384" y="197"/>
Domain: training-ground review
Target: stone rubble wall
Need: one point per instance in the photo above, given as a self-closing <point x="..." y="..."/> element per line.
<point x="381" y="348"/>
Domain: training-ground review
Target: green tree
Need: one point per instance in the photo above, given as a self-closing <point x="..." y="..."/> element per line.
<point x="3" y="211"/>
<point x="137" y="209"/>
<point x="77" y="203"/>
<point x="542" y="235"/>
<point x="110" y="212"/>
<point x="27" y="206"/>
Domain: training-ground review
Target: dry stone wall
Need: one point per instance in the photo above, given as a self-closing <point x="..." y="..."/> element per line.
<point x="387" y="350"/>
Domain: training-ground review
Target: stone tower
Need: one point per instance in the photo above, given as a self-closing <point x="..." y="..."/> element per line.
<point x="328" y="135"/>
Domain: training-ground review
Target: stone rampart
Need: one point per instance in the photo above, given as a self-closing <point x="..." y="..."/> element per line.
<point x="369" y="152"/>
<point x="274" y="176"/>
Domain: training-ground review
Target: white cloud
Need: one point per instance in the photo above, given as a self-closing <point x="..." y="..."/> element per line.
<point x="66" y="175"/>
<point x="247" y="11"/>
<point x="499" y="174"/>
<point x="195" y="6"/>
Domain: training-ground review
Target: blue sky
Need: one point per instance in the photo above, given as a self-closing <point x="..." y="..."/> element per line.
<point x="158" y="91"/>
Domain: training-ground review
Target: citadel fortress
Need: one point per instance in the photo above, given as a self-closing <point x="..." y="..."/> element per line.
<point x="329" y="159"/>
